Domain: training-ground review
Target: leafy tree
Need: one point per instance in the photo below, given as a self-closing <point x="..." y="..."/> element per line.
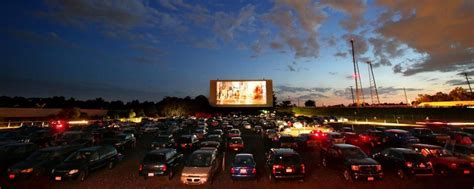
<point x="310" y="103"/>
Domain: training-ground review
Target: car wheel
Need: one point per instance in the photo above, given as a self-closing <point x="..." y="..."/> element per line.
<point x="324" y="162"/>
<point x="111" y="165"/>
<point x="401" y="174"/>
<point x="170" y="174"/>
<point x="347" y="175"/>
<point x="83" y="175"/>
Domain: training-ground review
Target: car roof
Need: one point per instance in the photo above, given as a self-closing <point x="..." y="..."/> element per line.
<point x="404" y="150"/>
<point x="236" y="138"/>
<point x="396" y="130"/>
<point x="244" y="155"/>
<point x="279" y="151"/>
<point x="205" y="150"/>
<point x="425" y="146"/>
<point x="345" y="146"/>
<point x="160" y="151"/>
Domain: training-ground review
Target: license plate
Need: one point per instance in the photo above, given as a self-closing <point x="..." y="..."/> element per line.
<point x="151" y="174"/>
<point x="289" y="170"/>
<point x="236" y="149"/>
<point x="57" y="178"/>
<point x="467" y="172"/>
<point x="370" y="178"/>
<point x="243" y="171"/>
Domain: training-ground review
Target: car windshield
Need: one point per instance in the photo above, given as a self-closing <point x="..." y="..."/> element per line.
<point x="161" y="139"/>
<point x="337" y="136"/>
<point x="241" y="161"/>
<point x="184" y="140"/>
<point x="199" y="160"/>
<point x="353" y="153"/>
<point x="236" y="141"/>
<point x="435" y="152"/>
<point x="150" y="158"/>
<point x="79" y="155"/>
<point x="287" y="139"/>
<point x="40" y="155"/>
<point x="288" y="159"/>
<point x="413" y="157"/>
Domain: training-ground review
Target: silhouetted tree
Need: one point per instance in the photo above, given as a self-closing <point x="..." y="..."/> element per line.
<point x="310" y="103"/>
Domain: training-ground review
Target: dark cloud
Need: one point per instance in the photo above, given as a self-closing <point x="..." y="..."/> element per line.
<point x="354" y="8"/>
<point x="291" y="68"/>
<point x="456" y="82"/>
<point x="225" y="24"/>
<point x="290" y="89"/>
<point x="341" y="54"/>
<point x="439" y="30"/>
<point x="344" y="93"/>
<point x="360" y="43"/>
<point x="312" y="96"/>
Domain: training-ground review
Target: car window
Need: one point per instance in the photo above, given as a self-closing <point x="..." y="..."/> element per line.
<point x="243" y="161"/>
<point x="288" y="159"/>
<point x="40" y="156"/>
<point x="353" y="153"/>
<point x="150" y="158"/>
<point x="199" y="160"/>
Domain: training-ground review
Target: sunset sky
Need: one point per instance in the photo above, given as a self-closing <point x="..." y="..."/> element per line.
<point x="145" y="50"/>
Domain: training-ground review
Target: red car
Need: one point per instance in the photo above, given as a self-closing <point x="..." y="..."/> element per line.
<point x="236" y="144"/>
<point x="444" y="163"/>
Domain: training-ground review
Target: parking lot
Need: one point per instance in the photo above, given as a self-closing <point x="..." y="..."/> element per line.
<point x="125" y="174"/>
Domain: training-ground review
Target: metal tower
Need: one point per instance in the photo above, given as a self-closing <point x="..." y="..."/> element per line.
<point x="374" y="94"/>
<point x="358" y="84"/>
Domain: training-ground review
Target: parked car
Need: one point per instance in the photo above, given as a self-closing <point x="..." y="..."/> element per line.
<point x="399" y="138"/>
<point x="79" y="164"/>
<point x="120" y="142"/>
<point x="212" y="144"/>
<point x="284" y="163"/>
<point x="187" y="142"/>
<point x="372" y="138"/>
<point x="469" y="130"/>
<point x="235" y="144"/>
<point x="149" y="128"/>
<point x="217" y="132"/>
<point x="287" y="141"/>
<point x="258" y="129"/>
<point x="75" y="137"/>
<point x="216" y="138"/>
<point x="161" y="162"/>
<point x="234" y="133"/>
<point x="163" y="141"/>
<point x="352" y="161"/>
<point x="40" y="162"/>
<point x="201" y="133"/>
<point x="444" y="162"/>
<point x="15" y="152"/>
<point x="243" y="166"/>
<point x="427" y="136"/>
<point x="331" y="139"/>
<point x="406" y="162"/>
<point x="200" y="167"/>
<point x="461" y="151"/>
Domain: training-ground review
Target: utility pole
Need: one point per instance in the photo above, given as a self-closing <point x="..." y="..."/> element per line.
<point x="406" y="97"/>
<point x="374" y="94"/>
<point x="352" y="94"/>
<point x="469" y="84"/>
<point x="358" y="84"/>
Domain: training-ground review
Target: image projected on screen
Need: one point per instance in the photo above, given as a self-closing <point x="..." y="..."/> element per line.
<point x="241" y="92"/>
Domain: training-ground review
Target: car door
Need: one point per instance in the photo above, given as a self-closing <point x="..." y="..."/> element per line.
<point x="95" y="160"/>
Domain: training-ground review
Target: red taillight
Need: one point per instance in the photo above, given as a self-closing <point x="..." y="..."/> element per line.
<point x="140" y="168"/>
<point x="254" y="171"/>
<point x="409" y="164"/>
<point x="303" y="170"/>
<point x="191" y="145"/>
<point x="232" y="170"/>
<point x="11" y="176"/>
<point x="276" y="167"/>
<point x="163" y="168"/>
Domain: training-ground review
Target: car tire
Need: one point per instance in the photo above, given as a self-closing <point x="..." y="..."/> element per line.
<point x="401" y="174"/>
<point x="83" y="175"/>
<point x="324" y="162"/>
<point x="347" y="175"/>
<point x="170" y="174"/>
<point x="111" y="165"/>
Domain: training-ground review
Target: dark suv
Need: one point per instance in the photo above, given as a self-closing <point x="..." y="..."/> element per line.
<point x="352" y="161"/>
<point x="428" y="136"/>
<point x="399" y="138"/>
<point x="187" y="142"/>
<point x="284" y="163"/>
<point x="163" y="141"/>
<point x="15" y="152"/>
<point x="161" y="162"/>
<point x="405" y="162"/>
<point x="80" y="163"/>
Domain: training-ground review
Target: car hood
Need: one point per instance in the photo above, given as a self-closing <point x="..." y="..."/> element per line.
<point x="27" y="164"/>
<point x="364" y="161"/>
<point x="200" y="171"/>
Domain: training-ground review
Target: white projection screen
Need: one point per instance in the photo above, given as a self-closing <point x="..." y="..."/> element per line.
<point x="241" y="93"/>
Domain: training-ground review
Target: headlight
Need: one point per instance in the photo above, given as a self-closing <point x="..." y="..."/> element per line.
<point x="27" y="170"/>
<point x="52" y="171"/>
<point x="355" y="167"/>
<point x="74" y="171"/>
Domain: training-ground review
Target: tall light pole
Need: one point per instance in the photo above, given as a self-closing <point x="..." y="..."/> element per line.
<point x="469" y="84"/>
<point x="358" y="83"/>
<point x="374" y="94"/>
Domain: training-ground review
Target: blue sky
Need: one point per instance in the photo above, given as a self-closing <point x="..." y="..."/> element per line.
<point x="146" y="50"/>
